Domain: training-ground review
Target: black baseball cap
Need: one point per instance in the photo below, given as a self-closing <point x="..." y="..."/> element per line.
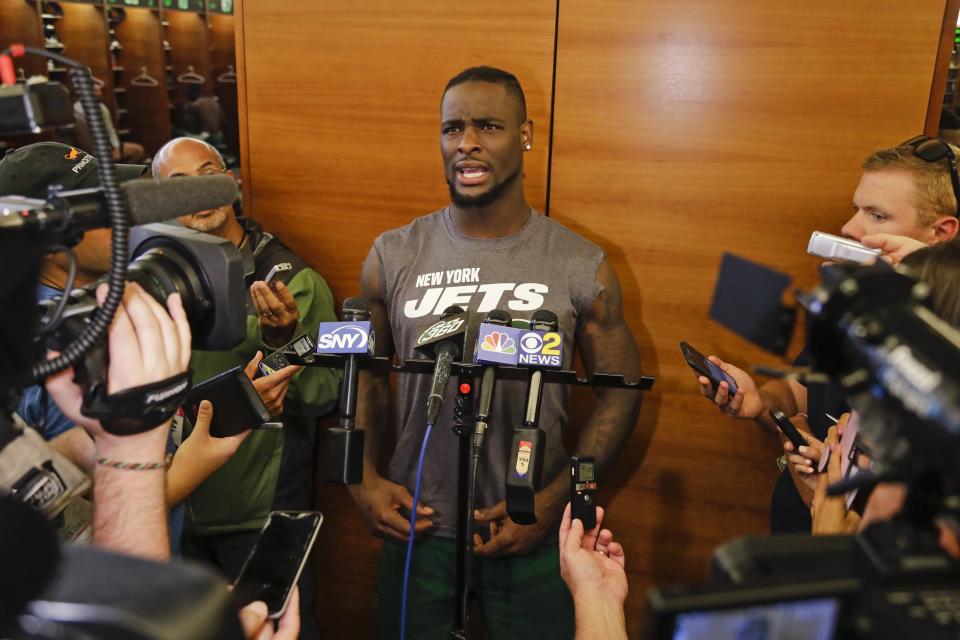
<point x="29" y="170"/>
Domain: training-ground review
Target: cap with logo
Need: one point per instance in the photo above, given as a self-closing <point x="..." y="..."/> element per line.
<point x="30" y="170"/>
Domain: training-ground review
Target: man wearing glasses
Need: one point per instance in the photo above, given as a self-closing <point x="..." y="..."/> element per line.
<point x="907" y="199"/>
<point x="273" y="469"/>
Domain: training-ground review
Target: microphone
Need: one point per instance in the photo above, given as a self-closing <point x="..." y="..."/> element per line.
<point x="148" y="200"/>
<point x="444" y="341"/>
<point x="525" y="468"/>
<point x="352" y="338"/>
<point x="488" y="380"/>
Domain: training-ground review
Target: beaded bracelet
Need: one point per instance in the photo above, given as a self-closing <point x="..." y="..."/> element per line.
<point x="136" y="466"/>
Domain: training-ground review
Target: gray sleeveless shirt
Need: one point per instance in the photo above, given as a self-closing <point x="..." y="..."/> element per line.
<point x="429" y="265"/>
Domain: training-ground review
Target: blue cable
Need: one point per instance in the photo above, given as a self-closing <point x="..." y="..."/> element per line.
<point x="413" y="518"/>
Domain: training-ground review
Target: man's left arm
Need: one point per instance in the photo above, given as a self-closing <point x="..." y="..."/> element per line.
<point x="606" y="345"/>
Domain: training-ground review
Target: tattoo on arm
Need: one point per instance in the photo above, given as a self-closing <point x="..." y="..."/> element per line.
<point x="607" y="346"/>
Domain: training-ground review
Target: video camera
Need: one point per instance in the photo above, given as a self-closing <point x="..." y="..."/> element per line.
<point x="206" y="271"/>
<point x="899" y="363"/>
<point x="67" y="593"/>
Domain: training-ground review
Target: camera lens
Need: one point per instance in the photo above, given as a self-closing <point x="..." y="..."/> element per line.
<point x="163" y="271"/>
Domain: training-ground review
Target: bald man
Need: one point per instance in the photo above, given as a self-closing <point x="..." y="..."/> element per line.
<point x="273" y="469"/>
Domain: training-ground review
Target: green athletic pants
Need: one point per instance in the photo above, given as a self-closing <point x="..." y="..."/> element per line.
<point x="520" y="596"/>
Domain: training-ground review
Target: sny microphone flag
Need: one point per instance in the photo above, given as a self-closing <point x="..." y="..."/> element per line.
<point x="346" y="337"/>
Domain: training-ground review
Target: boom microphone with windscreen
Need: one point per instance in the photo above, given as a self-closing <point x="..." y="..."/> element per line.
<point x="66" y="214"/>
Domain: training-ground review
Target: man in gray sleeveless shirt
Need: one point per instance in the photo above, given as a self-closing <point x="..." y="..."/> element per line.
<point x="486" y="250"/>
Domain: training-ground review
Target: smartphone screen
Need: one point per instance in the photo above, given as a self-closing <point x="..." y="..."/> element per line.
<point x="716" y="373"/>
<point x="278" y="557"/>
<point x="699" y="363"/>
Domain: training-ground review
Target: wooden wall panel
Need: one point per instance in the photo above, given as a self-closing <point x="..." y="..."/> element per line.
<point x="148" y="108"/>
<point x="20" y="23"/>
<point x="683" y="130"/>
<point x="83" y="31"/>
<point x="222" y="59"/>
<point x="189" y="47"/>
<point x="343" y="107"/>
<point x="342" y="125"/>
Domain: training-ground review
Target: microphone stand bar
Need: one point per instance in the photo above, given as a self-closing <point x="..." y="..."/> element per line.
<point x="382" y="364"/>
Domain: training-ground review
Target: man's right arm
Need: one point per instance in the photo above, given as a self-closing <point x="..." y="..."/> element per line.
<point x="376" y="496"/>
<point x="129" y="512"/>
<point x="751" y="402"/>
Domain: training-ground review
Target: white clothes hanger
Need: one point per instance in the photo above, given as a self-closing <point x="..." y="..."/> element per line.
<point x="144" y="79"/>
<point x="229" y="76"/>
<point x="191" y="77"/>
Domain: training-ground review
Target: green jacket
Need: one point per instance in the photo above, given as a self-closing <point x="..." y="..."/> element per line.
<point x="239" y="495"/>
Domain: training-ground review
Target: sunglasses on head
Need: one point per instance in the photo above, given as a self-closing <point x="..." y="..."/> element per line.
<point x="934" y="150"/>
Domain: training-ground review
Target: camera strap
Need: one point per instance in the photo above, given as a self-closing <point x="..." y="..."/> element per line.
<point x="138" y="409"/>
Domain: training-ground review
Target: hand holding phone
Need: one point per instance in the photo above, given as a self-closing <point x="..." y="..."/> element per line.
<point x="699" y="363"/>
<point x="278" y="269"/>
<point x="840" y="249"/>
<point x="236" y="402"/>
<point x="274" y="565"/>
<point x="791" y="432"/>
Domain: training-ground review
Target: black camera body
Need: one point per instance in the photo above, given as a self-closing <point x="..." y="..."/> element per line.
<point x="205" y="269"/>
<point x="32" y="108"/>
<point x="899" y="364"/>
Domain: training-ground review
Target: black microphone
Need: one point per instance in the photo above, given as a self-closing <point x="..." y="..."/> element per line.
<point x="525" y="467"/>
<point x="444" y="341"/>
<point x="345" y="443"/>
<point x="148" y="200"/>
<point x="487" y="383"/>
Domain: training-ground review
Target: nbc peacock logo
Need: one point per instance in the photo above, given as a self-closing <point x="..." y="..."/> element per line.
<point x="498" y="343"/>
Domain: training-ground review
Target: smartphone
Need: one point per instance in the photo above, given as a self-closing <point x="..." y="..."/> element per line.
<point x="840" y="249"/>
<point x="583" y="490"/>
<point x="300" y="345"/>
<point x="274" y="565"/>
<point x="278" y="269"/>
<point x="236" y="404"/>
<point x="791" y="432"/>
<point x="699" y="363"/>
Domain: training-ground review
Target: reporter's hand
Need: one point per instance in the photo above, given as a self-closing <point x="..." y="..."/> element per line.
<point x="199" y="456"/>
<point x="257" y="626"/>
<point x="379" y="499"/>
<point x="894" y="248"/>
<point x="208" y="451"/>
<point x="271" y="388"/>
<point x="805" y="462"/>
<point x="746" y="403"/>
<point x="591" y="563"/>
<point x="276" y="310"/>
<point x="830" y="515"/>
<point x="155" y="346"/>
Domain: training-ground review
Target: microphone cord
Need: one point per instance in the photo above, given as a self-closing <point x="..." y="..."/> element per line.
<point x="99" y="323"/>
<point x="413" y="519"/>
